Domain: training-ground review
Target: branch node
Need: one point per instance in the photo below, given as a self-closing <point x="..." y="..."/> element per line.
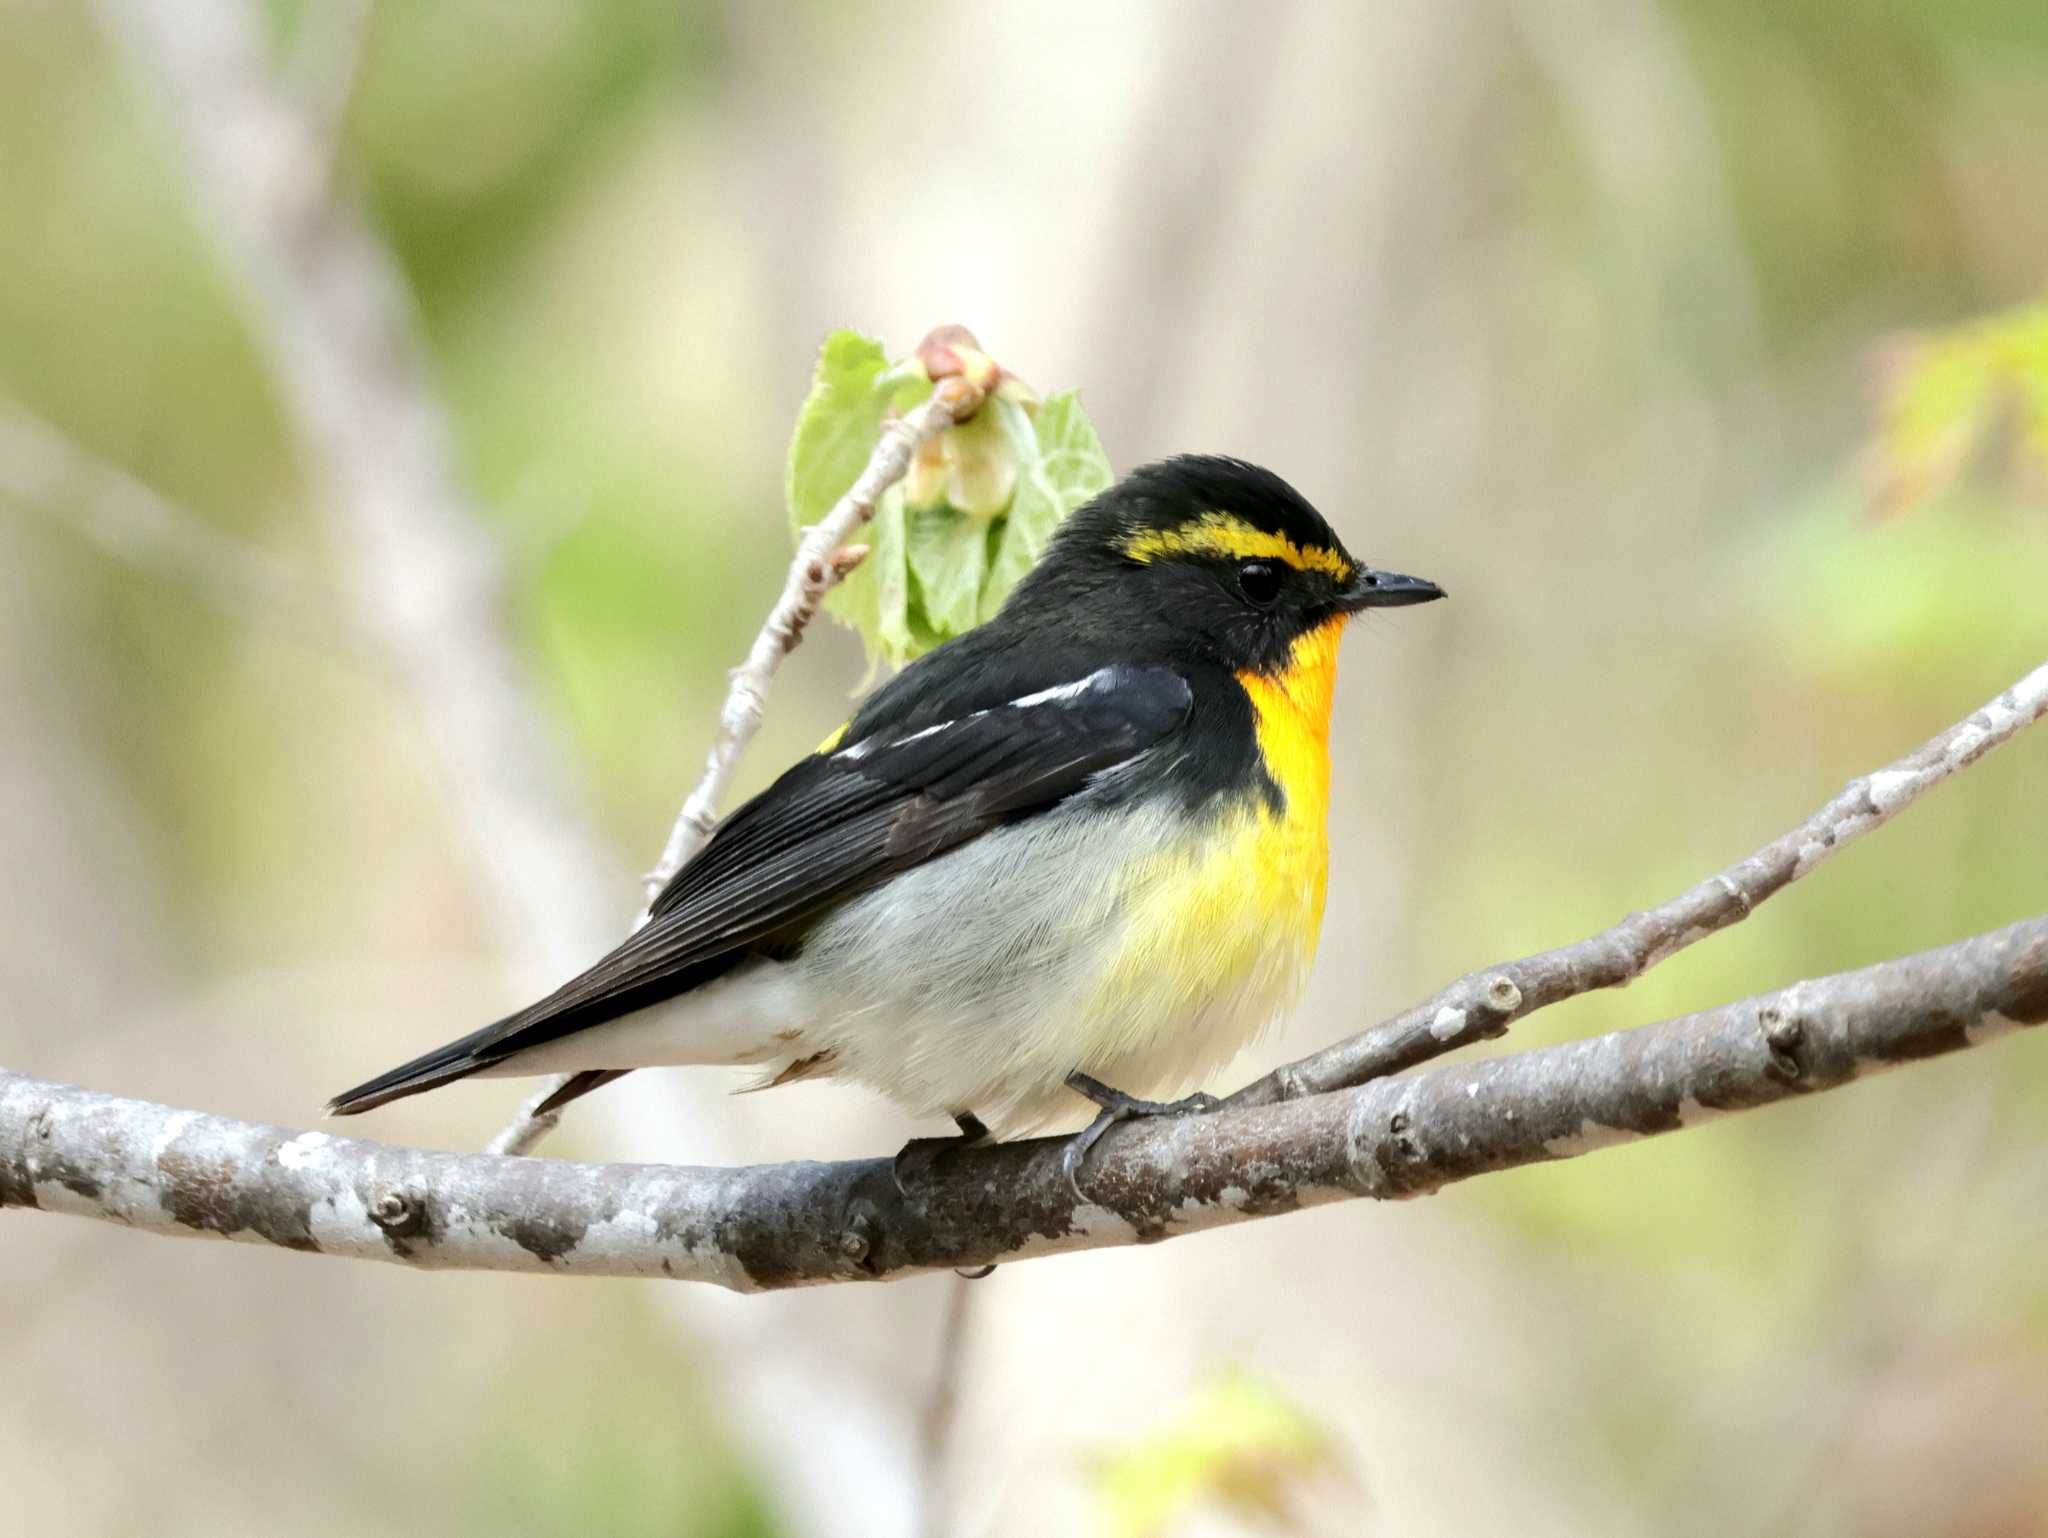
<point x="857" y="1239"/>
<point x="1734" y="889"/>
<point x="1784" y="1033"/>
<point x="1503" y="997"/>
<point x="398" y="1213"/>
<point x="1398" y="1126"/>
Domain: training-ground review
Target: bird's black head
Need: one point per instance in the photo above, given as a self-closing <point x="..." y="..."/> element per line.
<point x="1211" y="556"/>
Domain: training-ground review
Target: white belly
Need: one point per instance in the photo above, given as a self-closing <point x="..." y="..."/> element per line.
<point x="1132" y="947"/>
<point x="754" y="1014"/>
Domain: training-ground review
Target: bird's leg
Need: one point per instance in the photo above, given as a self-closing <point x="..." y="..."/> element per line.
<point x="917" y="1156"/>
<point x="1116" y="1106"/>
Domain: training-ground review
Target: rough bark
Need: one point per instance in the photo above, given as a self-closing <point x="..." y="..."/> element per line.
<point x="771" y="1226"/>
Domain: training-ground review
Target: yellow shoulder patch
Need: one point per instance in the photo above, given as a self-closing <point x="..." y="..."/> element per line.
<point x="837" y="737"/>
<point x="1221" y="534"/>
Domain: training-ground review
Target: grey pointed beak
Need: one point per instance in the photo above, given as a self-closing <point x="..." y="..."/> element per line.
<point x="1371" y="589"/>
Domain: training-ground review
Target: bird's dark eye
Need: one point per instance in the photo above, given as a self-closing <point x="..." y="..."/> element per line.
<point x="1259" y="581"/>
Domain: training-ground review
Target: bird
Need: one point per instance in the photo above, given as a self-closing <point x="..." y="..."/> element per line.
<point x="1079" y="849"/>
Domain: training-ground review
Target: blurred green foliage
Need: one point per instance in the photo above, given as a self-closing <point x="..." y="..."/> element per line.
<point x="1948" y="396"/>
<point x="1237" y="1443"/>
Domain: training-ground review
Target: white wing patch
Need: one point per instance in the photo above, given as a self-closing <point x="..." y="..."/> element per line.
<point x="1101" y="681"/>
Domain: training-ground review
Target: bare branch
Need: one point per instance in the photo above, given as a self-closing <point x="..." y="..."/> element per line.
<point x="530" y="1126"/>
<point x="784" y="1225"/>
<point x="1483" y="1004"/>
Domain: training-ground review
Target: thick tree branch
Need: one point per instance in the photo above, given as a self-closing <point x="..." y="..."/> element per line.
<point x="1483" y="1004"/>
<point x="183" y="1173"/>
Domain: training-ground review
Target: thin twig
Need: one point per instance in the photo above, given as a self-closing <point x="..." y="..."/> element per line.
<point x="530" y="1125"/>
<point x="186" y="1174"/>
<point x="1483" y="1004"/>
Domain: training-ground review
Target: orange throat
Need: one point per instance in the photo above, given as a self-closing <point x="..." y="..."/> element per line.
<point x="1293" y="717"/>
<point x="1293" y="712"/>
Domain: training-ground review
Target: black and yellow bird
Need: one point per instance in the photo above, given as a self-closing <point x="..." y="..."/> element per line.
<point x="1080" y="846"/>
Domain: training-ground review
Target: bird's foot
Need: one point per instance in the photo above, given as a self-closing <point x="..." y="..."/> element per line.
<point x="914" y="1161"/>
<point x="1116" y="1106"/>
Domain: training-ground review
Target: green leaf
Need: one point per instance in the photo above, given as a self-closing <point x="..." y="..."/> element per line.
<point x="887" y="570"/>
<point x="1068" y="469"/>
<point x="837" y="426"/>
<point x="836" y="431"/>
<point x="987" y="457"/>
<point x="948" y="560"/>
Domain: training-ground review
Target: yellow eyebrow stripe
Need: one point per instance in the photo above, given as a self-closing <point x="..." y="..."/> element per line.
<point x="1221" y="534"/>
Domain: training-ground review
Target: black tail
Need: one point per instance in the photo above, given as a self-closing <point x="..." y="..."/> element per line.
<point x="444" y="1065"/>
<point x="575" y="1005"/>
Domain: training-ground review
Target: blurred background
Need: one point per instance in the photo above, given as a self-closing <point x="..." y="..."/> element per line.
<point x="1585" y="308"/>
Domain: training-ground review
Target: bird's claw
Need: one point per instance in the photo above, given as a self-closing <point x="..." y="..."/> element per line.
<point x="1076" y="1151"/>
<point x="1116" y="1107"/>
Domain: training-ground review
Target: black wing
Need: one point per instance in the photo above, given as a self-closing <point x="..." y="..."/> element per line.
<point x="834" y="825"/>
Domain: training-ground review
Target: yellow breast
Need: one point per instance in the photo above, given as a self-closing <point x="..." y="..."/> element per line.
<point x="1289" y="854"/>
<point x="1222" y="932"/>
